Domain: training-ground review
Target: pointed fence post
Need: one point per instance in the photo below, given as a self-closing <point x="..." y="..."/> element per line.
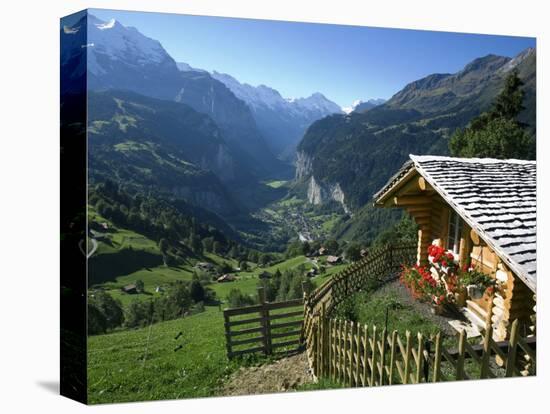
<point x="339" y="351"/>
<point x="329" y="354"/>
<point x="383" y="356"/>
<point x="392" y="356"/>
<point x="358" y="355"/>
<point x="351" y="354"/>
<point x="486" y="355"/>
<point x="460" y="356"/>
<point x="512" y="350"/>
<point x="366" y="356"/>
<point x="407" y="360"/>
<point x="374" y="355"/>
<point x="420" y="358"/>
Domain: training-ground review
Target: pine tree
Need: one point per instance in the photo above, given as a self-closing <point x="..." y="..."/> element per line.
<point x="509" y="103"/>
<point x="497" y="133"/>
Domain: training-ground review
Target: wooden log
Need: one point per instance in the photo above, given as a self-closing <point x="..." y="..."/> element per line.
<point x="419" y="209"/>
<point x="422" y="184"/>
<point x="475" y="237"/>
<point x="404" y="200"/>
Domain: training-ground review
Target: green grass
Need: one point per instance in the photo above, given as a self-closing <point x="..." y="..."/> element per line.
<point x="370" y="308"/>
<point x="143" y="364"/>
<point x="131" y="366"/>
<point x="322" y="384"/>
<point x="276" y="183"/>
<point x="151" y="277"/>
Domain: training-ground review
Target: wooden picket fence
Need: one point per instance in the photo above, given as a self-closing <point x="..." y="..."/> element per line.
<point x="359" y="355"/>
<point x="268" y="328"/>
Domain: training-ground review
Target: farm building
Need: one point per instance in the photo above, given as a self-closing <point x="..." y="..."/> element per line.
<point x="130" y="289"/>
<point x="483" y="212"/>
<point x="334" y="260"/>
<point x="228" y="277"/>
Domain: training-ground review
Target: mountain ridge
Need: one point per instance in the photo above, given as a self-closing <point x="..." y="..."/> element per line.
<point x="345" y="150"/>
<point x="282" y="121"/>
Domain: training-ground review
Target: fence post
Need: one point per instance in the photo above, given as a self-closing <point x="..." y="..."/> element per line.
<point x="383" y="356"/>
<point x="392" y="357"/>
<point x="330" y="354"/>
<point x="407" y="358"/>
<point x="512" y="350"/>
<point x="319" y="347"/>
<point x="345" y="352"/>
<point x="227" y="335"/>
<point x="366" y="356"/>
<point x="266" y="328"/>
<point x="437" y="358"/>
<point x="460" y="356"/>
<point x="324" y="337"/>
<point x="338" y="353"/>
<point x="351" y="354"/>
<point x="358" y="355"/>
<point x="374" y="353"/>
<point x="420" y="356"/>
<point x="484" y="372"/>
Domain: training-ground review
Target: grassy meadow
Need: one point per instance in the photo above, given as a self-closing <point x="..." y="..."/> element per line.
<point x="181" y="358"/>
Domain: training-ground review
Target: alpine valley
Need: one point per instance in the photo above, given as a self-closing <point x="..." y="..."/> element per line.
<point x="262" y="169"/>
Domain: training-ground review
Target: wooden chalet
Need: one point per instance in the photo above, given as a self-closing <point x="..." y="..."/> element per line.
<point x="228" y="277"/>
<point x="130" y="289"/>
<point x="483" y="211"/>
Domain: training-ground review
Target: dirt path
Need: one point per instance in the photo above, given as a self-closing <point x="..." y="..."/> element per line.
<point x="283" y="375"/>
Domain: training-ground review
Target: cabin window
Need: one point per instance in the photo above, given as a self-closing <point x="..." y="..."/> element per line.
<point x="454" y="233"/>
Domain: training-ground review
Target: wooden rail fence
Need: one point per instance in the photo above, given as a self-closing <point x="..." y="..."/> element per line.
<point x="360" y="355"/>
<point x="380" y="265"/>
<point x="268" y="328"/>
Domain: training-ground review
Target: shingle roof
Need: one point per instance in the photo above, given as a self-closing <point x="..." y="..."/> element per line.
<point x="496" y="197"/>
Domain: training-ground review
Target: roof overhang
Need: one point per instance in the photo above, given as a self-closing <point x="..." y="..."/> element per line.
<point x="409" y="170"/>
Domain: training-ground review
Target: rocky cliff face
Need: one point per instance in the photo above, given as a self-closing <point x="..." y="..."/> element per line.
<point x="304" y="166"/>
<point x="207" y="199"/>
<point x="321" y="193"/>
<point x="220" y="163"/>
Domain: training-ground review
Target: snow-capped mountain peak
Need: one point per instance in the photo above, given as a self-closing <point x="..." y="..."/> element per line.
<point x="114" y="42"/>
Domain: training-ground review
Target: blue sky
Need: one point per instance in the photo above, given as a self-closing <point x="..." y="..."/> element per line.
<point x="344" y="63"/>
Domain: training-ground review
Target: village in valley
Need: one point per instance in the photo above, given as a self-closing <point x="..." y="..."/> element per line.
<point x="239" y="242"/>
